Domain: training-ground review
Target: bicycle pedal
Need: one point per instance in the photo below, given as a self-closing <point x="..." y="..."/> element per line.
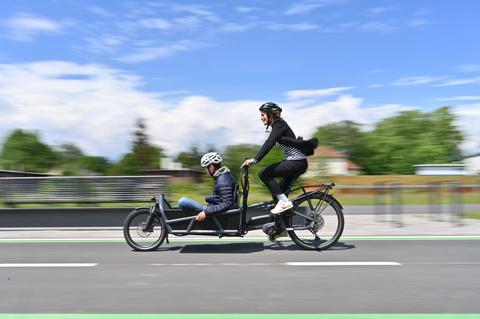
<point x="269" y="229"/>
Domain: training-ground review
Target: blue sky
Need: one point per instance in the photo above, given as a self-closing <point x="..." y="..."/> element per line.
<point x="83" y="71"/>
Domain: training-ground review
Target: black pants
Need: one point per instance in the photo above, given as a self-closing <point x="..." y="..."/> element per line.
<point x="287" y="170"/>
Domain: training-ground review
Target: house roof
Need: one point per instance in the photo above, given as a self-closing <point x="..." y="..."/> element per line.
<point x="328" y="152"/>
<point x="352" y="166"/>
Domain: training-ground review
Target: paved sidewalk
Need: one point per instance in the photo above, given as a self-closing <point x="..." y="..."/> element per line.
<point x="356" y="225"/>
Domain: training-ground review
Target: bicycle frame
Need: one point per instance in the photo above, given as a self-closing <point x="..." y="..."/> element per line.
<point x="214" y="227"/>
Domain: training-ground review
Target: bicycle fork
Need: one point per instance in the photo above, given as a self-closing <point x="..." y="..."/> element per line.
<point x="148" y="227"/>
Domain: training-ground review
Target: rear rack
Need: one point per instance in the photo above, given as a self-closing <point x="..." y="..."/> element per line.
<point x="320" y="187"/>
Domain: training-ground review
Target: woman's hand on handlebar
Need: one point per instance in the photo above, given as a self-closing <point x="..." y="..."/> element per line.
<point x="248" y="162"/>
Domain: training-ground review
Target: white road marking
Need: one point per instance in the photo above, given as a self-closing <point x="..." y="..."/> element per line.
<point x="219" y="264"/>
<point x="45" y="265"/>
<point x="308" y="263"/>
<point x="343" y="263"/>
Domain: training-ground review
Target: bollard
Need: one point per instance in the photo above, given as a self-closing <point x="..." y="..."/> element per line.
<point x="456" y="203"/>
<point x="435" y="201"/>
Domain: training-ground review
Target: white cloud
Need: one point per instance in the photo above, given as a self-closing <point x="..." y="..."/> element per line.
<point x="467" y="68"/>
<point x="152" y="53"/>
<point x="246" y="9"/>
<point x="188" y="22"/>
<point x="376" y="26"/>
<point x="378" y="10"/>
<point x="157" y="23"/>
<point x="303" y="26"/>
<point x="461" y="98"/>
<point x="467" y="119"/>
<point x="105" y="43"/>
<point x="24" y="26"/>
<point x="419" y="23"/>
<point x="464" y="81"/>
<point x="301" y="94"/>
<point x="417" y="80"/>
<point x="100" y="11"/>
<point x="237" y="27"/>
<point x="306" y="6"/>
<point x="96" y="107"/>
<point x="195" y="10"/>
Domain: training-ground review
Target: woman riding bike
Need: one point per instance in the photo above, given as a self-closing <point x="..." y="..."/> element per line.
<point x="294" y="162"/>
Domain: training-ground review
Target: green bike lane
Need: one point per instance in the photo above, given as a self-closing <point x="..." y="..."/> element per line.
<point x="241" y="316"/>
<point x="367" y="277"/>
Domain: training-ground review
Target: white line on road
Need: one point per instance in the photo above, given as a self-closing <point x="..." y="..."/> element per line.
<point x="308" y="263"/>
<point x="343" y="263"/>
<point x="46" y="265"/>
<point x="220" y="264"/>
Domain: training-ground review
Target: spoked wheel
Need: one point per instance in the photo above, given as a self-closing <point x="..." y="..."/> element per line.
<point x="141" y="236"/>
<point x="316" y="222"/>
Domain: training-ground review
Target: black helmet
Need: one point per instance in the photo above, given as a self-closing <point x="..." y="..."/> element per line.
<point x="269" y="107"/>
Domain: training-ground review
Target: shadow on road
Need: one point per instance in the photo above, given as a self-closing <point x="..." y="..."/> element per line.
<point x="247" y="248"/>
<point x="230" y="248"/>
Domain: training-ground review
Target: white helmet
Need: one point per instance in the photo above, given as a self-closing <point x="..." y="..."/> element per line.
<point x="210" y="158"/>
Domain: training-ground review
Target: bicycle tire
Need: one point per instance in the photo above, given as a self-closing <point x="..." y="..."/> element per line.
<point x="136" y="237"/>
<point x="330" y="223"/>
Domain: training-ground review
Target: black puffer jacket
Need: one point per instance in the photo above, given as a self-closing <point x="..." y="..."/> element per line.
<point x="223" y="197"/>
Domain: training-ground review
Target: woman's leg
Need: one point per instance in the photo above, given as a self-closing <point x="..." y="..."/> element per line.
<point x="189" y="204"/>
<point x="287" y="170"/>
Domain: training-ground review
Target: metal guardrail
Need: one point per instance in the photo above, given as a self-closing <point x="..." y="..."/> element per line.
<point x="80" y="189"/>
<point x="445" y="198"/>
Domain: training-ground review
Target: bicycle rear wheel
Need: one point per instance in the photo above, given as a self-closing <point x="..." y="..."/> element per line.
<point x="141" y="236"/>
<point x="316" y="222"/>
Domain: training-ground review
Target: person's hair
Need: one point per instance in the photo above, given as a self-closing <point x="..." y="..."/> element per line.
<point x="217" y="166"/>
<point x="274" y="116"/>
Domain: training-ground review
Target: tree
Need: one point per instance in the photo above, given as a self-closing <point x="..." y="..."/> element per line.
<point x="25" y="151"/>
<point x="190" y="159"/>
<point x="143" y="155"/>
<point x="128" y="165"/>
<point x="397" y="143"/>
<point x="146" y="155"/>
<point x="234" y="156"/>
<point x="95" y="164"/>
<point x="345" y="136"/>
<point x="70" y="152"/>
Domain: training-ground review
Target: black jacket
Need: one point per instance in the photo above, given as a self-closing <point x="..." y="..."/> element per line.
<point x="279" y="129"/>
<point x="223" y="197"/>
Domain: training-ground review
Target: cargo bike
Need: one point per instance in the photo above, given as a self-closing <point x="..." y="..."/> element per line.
<point x="314" y="222"/>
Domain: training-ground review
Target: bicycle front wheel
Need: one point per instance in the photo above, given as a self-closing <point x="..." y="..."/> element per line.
<point x="316" y="222"/>
<point x="141" y="236"/>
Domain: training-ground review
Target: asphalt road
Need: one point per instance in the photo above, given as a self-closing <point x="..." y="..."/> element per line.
<point x="397" y="276"/>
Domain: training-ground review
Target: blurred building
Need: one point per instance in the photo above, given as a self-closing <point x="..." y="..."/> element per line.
<point x="441" y="169"/>
<point x="176" y="171"/>
<point x="473" y="164"/>
<point x="326" y="161"/>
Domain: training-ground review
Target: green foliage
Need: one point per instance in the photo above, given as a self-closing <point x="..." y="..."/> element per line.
<point x="143" y="155"/>
<point x="190" y="159"/>
<point x="147" y="156"/>
<point x="72" y="161"/>
<point x="235" y="155"/>
<point x="345" y="136"/>
<point x="397" y="143"/>
<point x="24" y="151"/>
<point x="411" y="138"/>
<point x="69" y="153"/>
<point x="95" y="164"/>
<point x="128" y="165"/>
